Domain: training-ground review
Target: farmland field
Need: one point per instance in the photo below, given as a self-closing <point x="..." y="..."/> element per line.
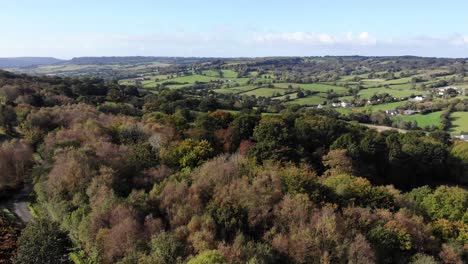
<point x="432" y="119"/>
<point x="310" y="100"/>
<point x="318" y="87"/>
<point x="314" y="87"/>
<point x="226" y="73"/>
<point x="232" y="90"/>
<point x="459" y="123"/>
<point x="368" y="93"/>
<point x="265" y="92"/>
<point x="389" y="106"/>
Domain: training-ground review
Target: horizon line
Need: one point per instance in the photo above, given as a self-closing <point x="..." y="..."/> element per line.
<point x="235" y="57"/>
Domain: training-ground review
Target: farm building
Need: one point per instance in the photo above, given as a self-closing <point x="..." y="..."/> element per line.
<point x="392" y="112"/>
<point x="341" y="104"/>
<point x="462" y="137"/>
<point x="409" y="112"/>
<point x="450" y="90"/>
<point x="417" y="99"/>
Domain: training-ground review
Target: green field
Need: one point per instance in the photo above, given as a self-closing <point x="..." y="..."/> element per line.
<point x="291" y="96"/>
<point x="371" y="108"/>
<point x="265" y="92"/>
<point x="233" y="90"/>
<point x="315" y="87"/>
<point x="459" y="123"/>
<point x="383" y="107"/>
<point x="432" y="119"/>
<point x="241" y="81"/>
<point x="192" y="79"/>
<point x="184" y="80"/>
<point x="310" y="100"/>
<point x="406" y="86"/>
<point x="399" y="81"/>
<point x="226" y="73"/>
<point x="318" y="87"/>
<point x="346" y="98"/>
<point x="229" y="74"/>
<point x="368" y="93"/>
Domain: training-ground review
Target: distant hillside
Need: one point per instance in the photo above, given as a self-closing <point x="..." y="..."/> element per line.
<point x="27" y="61"/>
<point x="136" y="59"/>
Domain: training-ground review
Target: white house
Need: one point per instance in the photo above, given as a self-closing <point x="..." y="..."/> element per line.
<point x="417" y="99"/>
<point x="462" y="137"/>
<point x="443" y="90"/>
<point x="392" y="112"/>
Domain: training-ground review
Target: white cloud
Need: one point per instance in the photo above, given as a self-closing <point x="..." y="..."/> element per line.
<point x="367" y="39"/>
<point x="317" y="39"/>
<point x="221" y="43"/>
<point x="460" y="40"/>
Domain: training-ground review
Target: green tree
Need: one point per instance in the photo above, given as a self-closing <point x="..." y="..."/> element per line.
<point x="208" y="257"/>
<point x="229" y="218"/>
<point x="42" y="242"/>
<point x="244" y="126"/>
<point x="166" y="248"/>
<point x="273" y="140"/>
<point x="459" y="161"/>
<point x="447" y="202"/>
<point x="188" y="154"/>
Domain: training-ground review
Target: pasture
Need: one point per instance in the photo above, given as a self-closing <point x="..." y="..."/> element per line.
<point x="234" y="90"/>
<point x="309" y="100"/>
<point x="459" y="123"/>
<point x="432" y="119"/>
<point x="383" y="107"/>
<point x="368" y="93"/>
<point x="265" y="92"/>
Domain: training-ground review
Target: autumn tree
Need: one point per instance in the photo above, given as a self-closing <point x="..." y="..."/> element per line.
<point x="338" y="162"/>
<point x="16" y="161"/>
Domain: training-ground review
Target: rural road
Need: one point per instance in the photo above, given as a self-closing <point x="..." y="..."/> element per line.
<point x="19" y="206"/>
<point x="21" y="210"/>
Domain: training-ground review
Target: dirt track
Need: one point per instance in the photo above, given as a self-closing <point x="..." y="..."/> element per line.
<point x="19" y="206"/>
<point x="384" y="128"/>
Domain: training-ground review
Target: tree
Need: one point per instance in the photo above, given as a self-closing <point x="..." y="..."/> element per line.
<point x="243" y="127"/>
<point x="71" y="174"/>
<point x="9" y="233"/>
<point x="187" y="154"/>
<point x="7" y="117"/>
<point x="166" y="248"/>
<point x="208" y="257"/>
<point x="338" y="162"/>
<point x="360" y="251"/>
<point x="447" y="202"/>
<point x="423" y="259"/>
<point x="42" y="242"/>
<point x="16" y="160"/>
<point x="274" y="140"/>
<point x="229" y="218"/>
<point x="459" y="161"/>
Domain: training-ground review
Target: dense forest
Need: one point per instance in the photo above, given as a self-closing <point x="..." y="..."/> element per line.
<point x="121" y="175"/>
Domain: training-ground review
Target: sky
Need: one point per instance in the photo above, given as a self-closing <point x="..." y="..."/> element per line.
<point x="240" y="28"/>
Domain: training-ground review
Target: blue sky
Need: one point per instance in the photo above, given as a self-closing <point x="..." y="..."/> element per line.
<point x="69" y="28"/>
